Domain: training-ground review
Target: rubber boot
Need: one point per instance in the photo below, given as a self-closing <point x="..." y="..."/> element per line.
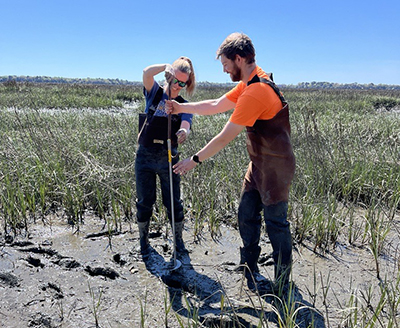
<point x="180" y="245"/>
<point x="144" y="237"/>
<point x="282" y="260"/>
<point x="249" y="261"/>
<point x="244" y="261"/>
<point x="282" y="277"/>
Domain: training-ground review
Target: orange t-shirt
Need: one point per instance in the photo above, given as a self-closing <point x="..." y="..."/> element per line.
<point x="258" y="101"/>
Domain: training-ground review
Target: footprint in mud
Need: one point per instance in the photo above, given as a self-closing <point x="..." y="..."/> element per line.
<point x="34" y="262"/>
<point x="119" y="260"/>
<point x="9" y="279"/>
<point x="184" y="278"/>
<point x="41" y="320"/>
<point x="41" y="250"/>
<point x="58" y="259"/>
<point x="53" y="290"/>
<point x="67" y="263"/>
<point x="99" y="271"/>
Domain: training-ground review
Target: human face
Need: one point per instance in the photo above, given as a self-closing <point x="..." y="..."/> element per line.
<point x="231" y="68"/>
<point x="175" y="87"/>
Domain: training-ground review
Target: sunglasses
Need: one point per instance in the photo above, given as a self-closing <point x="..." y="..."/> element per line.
<point x="180" y="83"/>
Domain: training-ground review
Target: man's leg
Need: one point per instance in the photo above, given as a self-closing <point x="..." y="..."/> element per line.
<point x="278" y="229"/>
<point x="249" y="219"/>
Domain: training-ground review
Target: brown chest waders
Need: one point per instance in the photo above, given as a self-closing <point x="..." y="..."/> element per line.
<point x="270" y="173"/>
<point x="272" y="165"/>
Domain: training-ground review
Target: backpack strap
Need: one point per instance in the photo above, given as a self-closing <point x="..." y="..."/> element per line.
<point x="271" y="83"/>
<point x="157" y="98"/>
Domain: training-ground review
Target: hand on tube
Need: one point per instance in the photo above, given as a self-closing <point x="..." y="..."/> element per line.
<point x="169" y="73"/>
<point x="173" y="107"/>
<point x="184" y="166"/>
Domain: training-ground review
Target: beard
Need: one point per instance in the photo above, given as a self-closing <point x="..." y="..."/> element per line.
<point x="236" y="74"/>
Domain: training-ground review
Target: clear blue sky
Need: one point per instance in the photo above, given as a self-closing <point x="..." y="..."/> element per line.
<point x="341" y="41"/>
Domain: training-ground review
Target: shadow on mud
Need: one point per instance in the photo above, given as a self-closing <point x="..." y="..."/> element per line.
<point x="200" y="299"/>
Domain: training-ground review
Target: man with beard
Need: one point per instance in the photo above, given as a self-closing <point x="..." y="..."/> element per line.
<point x="261" y="109"/>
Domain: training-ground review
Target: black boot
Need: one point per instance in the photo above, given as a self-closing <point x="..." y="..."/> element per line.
<point x="144" y="237"/>
<point x="248" y="263"/>
<point x="282" y="276"/>
<point x="283" y="262"/>
<point x="244" y="261"/>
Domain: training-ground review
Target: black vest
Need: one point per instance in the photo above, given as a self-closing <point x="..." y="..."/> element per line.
<point x="153" y="130"/>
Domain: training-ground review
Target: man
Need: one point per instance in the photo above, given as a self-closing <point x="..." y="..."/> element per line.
<point x="260" y="107"/>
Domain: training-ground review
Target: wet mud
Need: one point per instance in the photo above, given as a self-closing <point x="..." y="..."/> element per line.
<point x="60" y="277"/>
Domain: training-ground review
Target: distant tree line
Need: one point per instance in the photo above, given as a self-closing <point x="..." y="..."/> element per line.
<point x="48" y="79"/>
<point x="302" y="85"/>
<point x="331" y="85"/>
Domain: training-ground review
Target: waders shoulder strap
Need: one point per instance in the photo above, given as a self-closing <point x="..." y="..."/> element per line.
<point x="271" y="83"/>
<point x="157" y="98"/>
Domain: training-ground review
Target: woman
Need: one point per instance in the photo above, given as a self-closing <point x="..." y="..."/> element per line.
<point x="152" y="153"/>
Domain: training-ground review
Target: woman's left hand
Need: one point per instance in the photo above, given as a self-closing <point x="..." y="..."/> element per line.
<point x="182" y="135"/>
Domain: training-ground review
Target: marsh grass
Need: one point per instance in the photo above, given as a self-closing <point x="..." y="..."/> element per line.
<point x="79" y="158"/>
<point x="347" y="153"/>
<point x="65" y="96"/>
<point x="95" y="304"/>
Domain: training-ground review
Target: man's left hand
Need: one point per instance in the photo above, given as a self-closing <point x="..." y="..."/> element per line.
<point x="184" y="166"/>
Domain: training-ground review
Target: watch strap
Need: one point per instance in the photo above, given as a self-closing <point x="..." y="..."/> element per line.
<point x="195" y="158"/>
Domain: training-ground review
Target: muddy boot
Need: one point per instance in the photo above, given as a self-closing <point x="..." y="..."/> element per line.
<point x="180" y="245"/>
<point x="244" y="262"/>
<point x="250" y="268"/>
<point x="144" y="237"/>
<point x="282" y="278"/>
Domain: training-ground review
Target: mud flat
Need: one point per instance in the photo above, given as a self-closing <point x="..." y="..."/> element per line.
<point x="60" y="277"/>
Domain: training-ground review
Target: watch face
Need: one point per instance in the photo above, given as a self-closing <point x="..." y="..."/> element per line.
<point x="196" y="158"/>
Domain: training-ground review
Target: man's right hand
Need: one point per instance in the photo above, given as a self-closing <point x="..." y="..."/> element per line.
<point x="172" y="107"/>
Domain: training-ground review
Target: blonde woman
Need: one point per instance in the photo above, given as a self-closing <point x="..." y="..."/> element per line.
<point x="152" y="153"/>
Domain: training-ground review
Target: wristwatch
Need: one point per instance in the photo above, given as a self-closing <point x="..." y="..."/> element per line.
<point x="195" y="158"/>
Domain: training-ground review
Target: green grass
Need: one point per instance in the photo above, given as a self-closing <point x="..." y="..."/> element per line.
<point x="65" y="96"/>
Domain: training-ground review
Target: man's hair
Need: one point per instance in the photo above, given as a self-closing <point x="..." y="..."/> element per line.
<point x="237" y="44"/>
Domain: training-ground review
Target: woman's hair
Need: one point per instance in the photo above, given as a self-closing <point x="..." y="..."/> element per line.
<point x="184" y="64"/>
<point x="237" y="44"/>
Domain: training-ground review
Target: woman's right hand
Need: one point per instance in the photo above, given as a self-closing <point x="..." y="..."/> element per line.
<point x="169" y="73"/>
